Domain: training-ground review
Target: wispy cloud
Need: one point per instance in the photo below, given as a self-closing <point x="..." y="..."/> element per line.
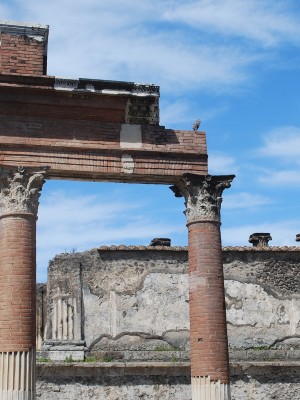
<point x="280" y="178"/>
<point x="132" y="41"/>
<point x="284" y="143"/>
<point x="183" y="112"/>
<point x="221" y="164"/>
<point x="244" y="200"/>
<point x="267" y="22"/>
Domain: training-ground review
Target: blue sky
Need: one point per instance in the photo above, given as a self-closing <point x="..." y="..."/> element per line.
<point x="234" y="64"/>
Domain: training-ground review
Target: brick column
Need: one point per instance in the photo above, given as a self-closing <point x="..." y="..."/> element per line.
<point x="208" y="333"/>
<point x="19" y="193"/>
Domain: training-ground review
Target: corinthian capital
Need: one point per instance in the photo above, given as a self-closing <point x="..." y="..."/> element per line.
<point x="203" y="195"/>
<point x="20" y="189"/>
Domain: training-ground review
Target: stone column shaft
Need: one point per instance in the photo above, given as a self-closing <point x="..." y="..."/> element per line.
<point x="208" y="332"/>
<point x="19" y="192"/>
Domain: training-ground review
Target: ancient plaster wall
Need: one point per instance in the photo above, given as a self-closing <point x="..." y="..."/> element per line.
<point x="133" y="298"/>
<point x="133" y="306"/>
<point x="130" y="300"/>
<point x="263" y="298"/>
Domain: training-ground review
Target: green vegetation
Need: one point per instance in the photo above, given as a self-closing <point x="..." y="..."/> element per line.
<point x="263" y="347"/>
<point x="90" y="359"/>
<point x="68" y="359"/>
<point x="43" y="359"/>
<point x="165" y="347"/>
<point x="107" y="358"/>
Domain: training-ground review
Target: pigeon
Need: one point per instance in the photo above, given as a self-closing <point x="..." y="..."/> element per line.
<point x="196" y="125"/>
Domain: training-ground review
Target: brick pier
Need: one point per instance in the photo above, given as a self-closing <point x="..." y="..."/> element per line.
<point x="19" y="193"/>
<point x="208" y="333"/>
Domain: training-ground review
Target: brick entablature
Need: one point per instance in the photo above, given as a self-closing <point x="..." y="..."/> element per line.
<point x="85" y="128"/>
<point x="81" y="135"/>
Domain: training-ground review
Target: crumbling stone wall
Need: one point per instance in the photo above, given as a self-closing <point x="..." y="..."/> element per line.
<point x="263" y="297"/>
<point x="112" y="381"/>
<point x="132" y="300"/>
<point x="135" y="297"/>
<point x="132" y="305"/>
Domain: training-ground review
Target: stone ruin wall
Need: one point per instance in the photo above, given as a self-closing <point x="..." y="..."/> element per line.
<point x="130" y="305"/>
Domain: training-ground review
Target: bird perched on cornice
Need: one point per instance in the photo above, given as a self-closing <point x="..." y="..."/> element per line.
<point x="196" y="125"/>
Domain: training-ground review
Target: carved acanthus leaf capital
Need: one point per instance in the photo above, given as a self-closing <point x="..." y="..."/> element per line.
<point x="203" y="195"/>
<point x="20" y="189"/>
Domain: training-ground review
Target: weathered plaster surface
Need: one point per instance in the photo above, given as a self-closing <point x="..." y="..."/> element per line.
<point x="256" y="318"/>
<point x="134" y="306"/>
<point x="144" y="296"/>
<point x="263" y="299"/>
<point x="146" y="311"/>
<point x="125" y="294"/>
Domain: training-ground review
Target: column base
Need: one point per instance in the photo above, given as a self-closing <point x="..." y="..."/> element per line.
<point x="205" y="389"/>
<point x="17" y="375"/>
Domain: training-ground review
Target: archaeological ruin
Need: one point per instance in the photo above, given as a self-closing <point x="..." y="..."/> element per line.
<point x="125" y="311"/>
<point x="128" y="322"/>
<point x="56" y="128"/>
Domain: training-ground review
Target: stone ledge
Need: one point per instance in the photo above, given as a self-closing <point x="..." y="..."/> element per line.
<point x="103" y="369"/>
<point x="76" y="369"/>
<point x="263" y="355"/>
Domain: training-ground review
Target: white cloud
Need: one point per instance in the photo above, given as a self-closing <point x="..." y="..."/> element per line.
<point x="267" y="22"/>
<point x="283" y="233"/>
<point x="172" y="114"/>
<point x="179" y="112"/>
<point x="283" y="142"/>
<point x="133" y="56"/>
<point x="130" y="41"/>
<point x="221" y="164"/>
<point x="281" y="178"/>
<point x="59" y="205"/>
<point x="244" y="200"/>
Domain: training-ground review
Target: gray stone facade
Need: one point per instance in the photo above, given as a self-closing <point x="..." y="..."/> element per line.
<point x="127" y="309"/>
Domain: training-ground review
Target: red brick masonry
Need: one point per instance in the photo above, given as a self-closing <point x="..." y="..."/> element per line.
<point x="21" y="55"/>
<point x="209" y="354"/>
<point x="18" y="281"/>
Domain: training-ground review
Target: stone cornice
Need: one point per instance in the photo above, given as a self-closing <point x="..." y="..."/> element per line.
<point x="203" y="195"/>
<point x="20" y="189"/>
<point x="36" y="31"/>
<point x="106" y="87"/>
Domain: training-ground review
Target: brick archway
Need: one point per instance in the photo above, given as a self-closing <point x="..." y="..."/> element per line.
<point x="55" y="128"/>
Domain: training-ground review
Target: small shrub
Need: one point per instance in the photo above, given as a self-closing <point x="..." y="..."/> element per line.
<point x="90" y="359"/>
<point x="43" y="359"/>
<point x="68" y="359"/>
<point x="107" y="358"/>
